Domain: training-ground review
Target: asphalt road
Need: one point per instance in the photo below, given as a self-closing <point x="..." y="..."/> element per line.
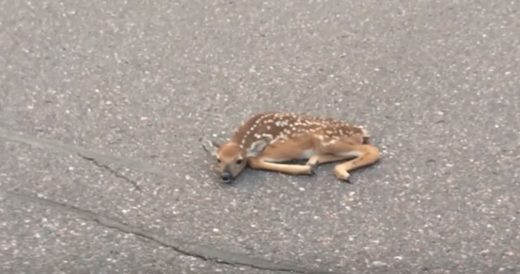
<point x="104" y="103"/>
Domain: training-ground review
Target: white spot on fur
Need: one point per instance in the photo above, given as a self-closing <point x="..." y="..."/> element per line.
<point x="267" y="135"/>
<point x="331" y="142"/>
<point x="365" y="132"/>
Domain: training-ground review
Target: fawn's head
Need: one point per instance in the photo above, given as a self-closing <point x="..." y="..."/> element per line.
<point x="232" y="158"/>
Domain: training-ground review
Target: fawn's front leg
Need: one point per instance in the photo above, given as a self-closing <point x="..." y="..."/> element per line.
<point x="262" y="163"/>
<point x="324" y="158"/>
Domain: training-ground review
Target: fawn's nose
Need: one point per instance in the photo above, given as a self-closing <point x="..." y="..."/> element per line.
<point x="226" y="177"/>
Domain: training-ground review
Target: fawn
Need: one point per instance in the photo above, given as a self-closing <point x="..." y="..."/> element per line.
<point x="271" y="141"/>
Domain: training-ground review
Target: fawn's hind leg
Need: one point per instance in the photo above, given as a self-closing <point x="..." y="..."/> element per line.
<point x="367" y="154"/>
<point x="364" y="154"/>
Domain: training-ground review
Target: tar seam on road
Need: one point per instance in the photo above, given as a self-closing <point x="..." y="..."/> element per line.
<point x="111" y="171"/>
<point x="189" y="249"/>
<point x="52" y="145"/>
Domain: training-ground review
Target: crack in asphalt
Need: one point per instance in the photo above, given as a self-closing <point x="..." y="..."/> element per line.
<point x="58" y="147"/>
<point x="110" y="170"/>
<point x="188" y="249"/>
<point x="205" y="253"/>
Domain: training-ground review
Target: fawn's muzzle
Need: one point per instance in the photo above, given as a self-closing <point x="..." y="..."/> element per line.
<point x="227" y="177"/>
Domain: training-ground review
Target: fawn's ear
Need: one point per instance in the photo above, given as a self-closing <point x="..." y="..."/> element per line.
<point x="257" y="147"/>
<point x="212" y="148"/>
<point x="215" y="144"/>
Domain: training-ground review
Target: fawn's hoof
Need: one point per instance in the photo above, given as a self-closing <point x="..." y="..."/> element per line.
<point x="342" y="174"/>
<point x="312" y="169"/>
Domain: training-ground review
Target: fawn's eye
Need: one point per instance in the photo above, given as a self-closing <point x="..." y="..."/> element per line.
<point x="239" y="161"/>
<point x="218" y="161"/>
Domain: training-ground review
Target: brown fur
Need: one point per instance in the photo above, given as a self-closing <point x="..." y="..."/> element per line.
<point x="267" y="140"/>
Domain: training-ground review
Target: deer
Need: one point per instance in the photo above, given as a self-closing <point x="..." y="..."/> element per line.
<point x="274" y="141"/>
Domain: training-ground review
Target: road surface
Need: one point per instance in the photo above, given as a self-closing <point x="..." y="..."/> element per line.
<point x="104" y="105"/>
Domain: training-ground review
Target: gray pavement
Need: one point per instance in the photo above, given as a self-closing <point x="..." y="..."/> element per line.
<point x="104" y="103"/>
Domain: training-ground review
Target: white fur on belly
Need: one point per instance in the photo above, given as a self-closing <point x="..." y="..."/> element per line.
<point x="306" y="154"/>
<point x="352" y="154"/>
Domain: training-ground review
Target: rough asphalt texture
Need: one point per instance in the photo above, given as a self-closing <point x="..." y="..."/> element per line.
<point x="103" y="105"/>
